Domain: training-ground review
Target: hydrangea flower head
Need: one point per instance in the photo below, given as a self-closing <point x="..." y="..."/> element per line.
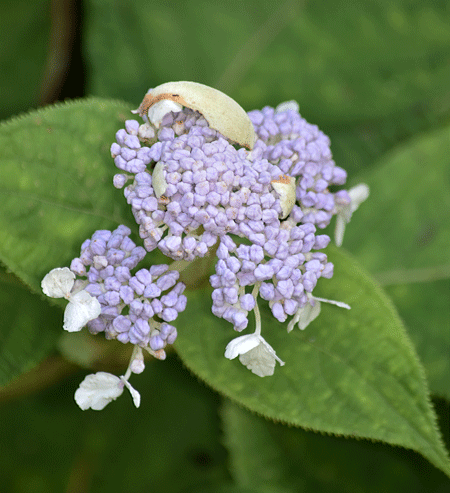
<point x="255" y="192"/>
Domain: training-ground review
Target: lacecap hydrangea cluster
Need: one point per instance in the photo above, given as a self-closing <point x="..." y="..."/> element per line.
<point x="193" y="191"/>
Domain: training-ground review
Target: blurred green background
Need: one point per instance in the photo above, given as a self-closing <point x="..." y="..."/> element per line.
<point x="373" y="75"/>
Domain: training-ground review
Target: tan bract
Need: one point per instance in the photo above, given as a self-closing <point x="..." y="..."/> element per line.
<point x="285" y="187"/>
<point x="220" y="111"/>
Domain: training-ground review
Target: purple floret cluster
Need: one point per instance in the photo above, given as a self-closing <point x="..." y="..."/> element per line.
<point x="211" y="189"/>
<point x="135" y="307"/>
<point x="247" y="193"/>
<point x="190" y="189"/>
<point x="301" y="150"/>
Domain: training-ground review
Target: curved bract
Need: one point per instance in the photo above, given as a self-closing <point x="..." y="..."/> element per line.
<point x="220" y="111"/>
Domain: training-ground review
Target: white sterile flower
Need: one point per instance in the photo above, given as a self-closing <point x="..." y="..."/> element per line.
<point x="304" y="316"/>
<point x="58" y="283"/>
<point x="81" y="309"/>
<point x="310" y="312"/>
<point x="358" y="195"/>
<point x="254" y="353"/>
<point x="97" y="390"/>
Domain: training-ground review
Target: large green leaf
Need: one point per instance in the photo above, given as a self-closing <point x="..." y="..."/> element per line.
<point x="56" y="186"/>
<point x="349" y="373"/>
<point x="24" y="37"/>
<point x="407" y="243"/>
<point x="26" y="334"/>
<point x="266" y="453"/>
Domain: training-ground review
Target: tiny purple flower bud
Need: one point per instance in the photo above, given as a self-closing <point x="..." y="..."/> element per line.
<point x="156" y="342"/>
<point x="127" y="294"/>
<point x="157" y="270"/>
<point x="112" y="298"/>
<point x="278" y="312"/>
<point x="144" y="277"/>
<point x="168" y="280"/>
<point x="172" y="336"/>
<point x="247" y="302"/>
<point x="263" y="272"/>
<point x="169" y="314"/>
<point x="121" y="324"/>
<point x="152" y="291"/>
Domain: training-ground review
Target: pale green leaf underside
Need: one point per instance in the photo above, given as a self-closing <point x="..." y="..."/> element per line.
<point x="349" y="373"/>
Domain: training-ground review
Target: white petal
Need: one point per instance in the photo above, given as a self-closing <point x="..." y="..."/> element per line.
<point x="261" y="359"/>
<point x="340" y="304"/>
<point x="98" y="390"/>
<point x="81" y="309"/>
<point x="307" y="314"/>
<point x="58" y="282"/>
<point x="271" y="350"/>
<point x="339" y="229"/>
<point x="241" y="345"/>
<point x="159" y="110"/>
<point x="287" y="105"/>
<point x="254" y="353"/>
<point x="134" y="393"/>
<point x="358" y="194"/>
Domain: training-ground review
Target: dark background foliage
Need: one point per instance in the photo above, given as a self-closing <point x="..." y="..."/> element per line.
<point x="375" y="77"/>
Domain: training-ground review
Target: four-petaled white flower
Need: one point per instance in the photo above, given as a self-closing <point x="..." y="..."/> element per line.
<point x="82" y="307"/>
<point x="311" y="311"/>
<point x="97" y="390"/>
<point x="358" y="195"/>
<point x="254" y="353"/>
